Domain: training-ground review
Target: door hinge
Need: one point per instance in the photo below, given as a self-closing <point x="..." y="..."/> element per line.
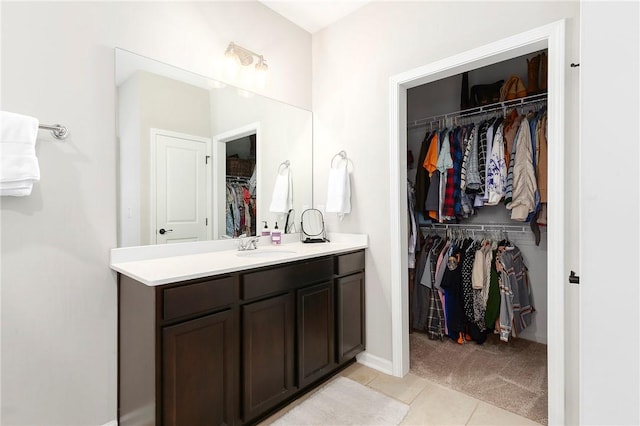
<point x="206" y="159"/>
<point x="206" y="221"/>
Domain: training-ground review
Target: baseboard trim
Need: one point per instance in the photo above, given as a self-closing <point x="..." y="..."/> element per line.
<point x="111" y="423"/>
<point x="383" y="365"/>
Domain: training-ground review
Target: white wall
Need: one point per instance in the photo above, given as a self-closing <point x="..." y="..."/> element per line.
<point x="147" y="101"/>
<point x="58" y="294"/>
<point x="352" y="63"/>
<point x="609" y="321"/>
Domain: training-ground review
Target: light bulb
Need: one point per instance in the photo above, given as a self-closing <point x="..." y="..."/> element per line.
<point x="261" y="73"/>
<point x="230" y="67"/>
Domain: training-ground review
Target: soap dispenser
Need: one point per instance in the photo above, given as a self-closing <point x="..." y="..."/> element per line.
<point x="265" y="231"/>
<point x="276" y="235"/>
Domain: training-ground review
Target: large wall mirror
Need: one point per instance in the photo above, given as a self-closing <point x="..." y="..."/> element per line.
<point x="198" y="159"/>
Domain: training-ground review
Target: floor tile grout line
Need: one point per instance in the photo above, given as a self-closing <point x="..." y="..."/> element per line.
<point x="473" y="412"/>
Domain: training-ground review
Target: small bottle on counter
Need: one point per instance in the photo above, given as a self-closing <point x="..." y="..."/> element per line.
<point x="276" y="235"/>
<point x="265" y="231"/>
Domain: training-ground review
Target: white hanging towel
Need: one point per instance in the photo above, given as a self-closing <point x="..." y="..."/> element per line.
<point x="282" y="197"/>
<point x="19" y="167"/>
<point x="339" y="191"/>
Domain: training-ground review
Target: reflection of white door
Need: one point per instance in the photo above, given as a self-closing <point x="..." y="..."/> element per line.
<point x="180" y="187"/>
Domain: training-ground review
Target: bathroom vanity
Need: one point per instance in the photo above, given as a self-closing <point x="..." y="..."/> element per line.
<point x="227" y="337"/>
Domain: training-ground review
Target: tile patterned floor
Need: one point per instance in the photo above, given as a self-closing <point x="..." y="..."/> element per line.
<point x="429" y="403"/>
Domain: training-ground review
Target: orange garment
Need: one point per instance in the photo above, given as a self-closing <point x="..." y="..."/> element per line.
<point x="431" y="159"/>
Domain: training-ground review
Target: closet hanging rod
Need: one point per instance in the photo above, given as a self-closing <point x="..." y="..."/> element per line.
<point x="477" y="227"/>
<point x="57" y="130"/>
<point x="527" y="100"/>
<point x="237" y="178"/>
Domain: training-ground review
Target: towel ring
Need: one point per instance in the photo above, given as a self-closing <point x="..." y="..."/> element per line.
<point x="285" y="163"/>
<point x="342" y="155"/>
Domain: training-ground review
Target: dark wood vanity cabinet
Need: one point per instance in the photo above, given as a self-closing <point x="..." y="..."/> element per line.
<point x="350" y="315"/>
<point x="198" y="360"/>
<point x="316" y="332"/>
<point x="178" y="352"/>
<point x="231" y="349"/>
<point x="268" y="353"/>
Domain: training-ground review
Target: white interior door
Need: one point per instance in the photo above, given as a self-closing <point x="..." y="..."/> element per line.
<point x="180" y="188"/>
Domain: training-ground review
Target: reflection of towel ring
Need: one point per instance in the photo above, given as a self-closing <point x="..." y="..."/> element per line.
<point x="342" y="155"/>
<point x="285" y="163"/>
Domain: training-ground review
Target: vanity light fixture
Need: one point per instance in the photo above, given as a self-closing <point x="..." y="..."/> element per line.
<point x="237" y="54"/>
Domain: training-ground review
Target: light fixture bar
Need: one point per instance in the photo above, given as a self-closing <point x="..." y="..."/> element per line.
<point x="245" y="56"/>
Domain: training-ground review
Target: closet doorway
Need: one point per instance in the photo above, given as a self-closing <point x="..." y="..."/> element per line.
<point x="236" y="156"/>
<point x="552" y="38"/>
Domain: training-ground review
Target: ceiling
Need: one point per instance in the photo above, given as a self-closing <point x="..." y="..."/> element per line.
<point x="314" y="15"/>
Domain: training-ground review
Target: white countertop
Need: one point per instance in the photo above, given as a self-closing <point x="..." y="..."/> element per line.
<point x="157" y="265"/>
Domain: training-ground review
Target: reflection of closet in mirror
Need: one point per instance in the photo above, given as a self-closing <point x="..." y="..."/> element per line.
<point x="240" y="214"/>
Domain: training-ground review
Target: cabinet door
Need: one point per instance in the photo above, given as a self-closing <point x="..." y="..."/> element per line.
<point x="268" y="353"/>
<point x="316" y="355"/>
<point x="351" y="332"/>
<point x="198" y="365"/>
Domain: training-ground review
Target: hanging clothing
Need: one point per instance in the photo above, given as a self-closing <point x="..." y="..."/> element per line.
<point x="511" y="127"/>
<point x="524" y="184"/>
<point x="492" y="308"/>
<point x="496" y="170"/>
<point x="240" y="208"/>
<point x="473" y="181"/>
<point x="515" y="300"/>
<point x="413" y="226"/>
<point x="422" y="175"/>
<point x="484" y="286"/>
<point x="448" y="209"/>
<point x="430" y="165"/>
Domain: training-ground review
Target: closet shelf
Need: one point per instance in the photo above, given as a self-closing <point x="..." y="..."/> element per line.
<point x="477" y="227"/>
<point x="527" y="100"/>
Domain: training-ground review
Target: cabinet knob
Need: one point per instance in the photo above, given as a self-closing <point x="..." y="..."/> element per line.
<point x="163" y="231"/>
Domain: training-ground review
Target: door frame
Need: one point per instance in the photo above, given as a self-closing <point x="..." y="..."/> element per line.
<point x="218" y="180"/>
<point x="153" y="132"/>
<point x="551" y="37"/>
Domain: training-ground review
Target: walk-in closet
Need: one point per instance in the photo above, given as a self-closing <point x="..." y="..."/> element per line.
<point x="477" y="255"/>
<point x="240" y="202"/>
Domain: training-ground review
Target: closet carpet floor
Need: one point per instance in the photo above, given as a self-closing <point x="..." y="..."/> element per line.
<point x="512" y="375"/>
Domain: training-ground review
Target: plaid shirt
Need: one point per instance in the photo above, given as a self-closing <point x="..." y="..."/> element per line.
<point x="435" y="314"/>
<point x="482" y="155"/>
<point x="515" y="307"/>
<point x="473" y="174"/>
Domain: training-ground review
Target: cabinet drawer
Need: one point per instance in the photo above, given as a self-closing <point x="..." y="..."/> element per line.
<point x="347" y="263"/>
<point x="198" y="297"/>
<point x="284" y="278"/>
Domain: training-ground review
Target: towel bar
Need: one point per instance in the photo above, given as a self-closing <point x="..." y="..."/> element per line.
<point x="57" y="130"/>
